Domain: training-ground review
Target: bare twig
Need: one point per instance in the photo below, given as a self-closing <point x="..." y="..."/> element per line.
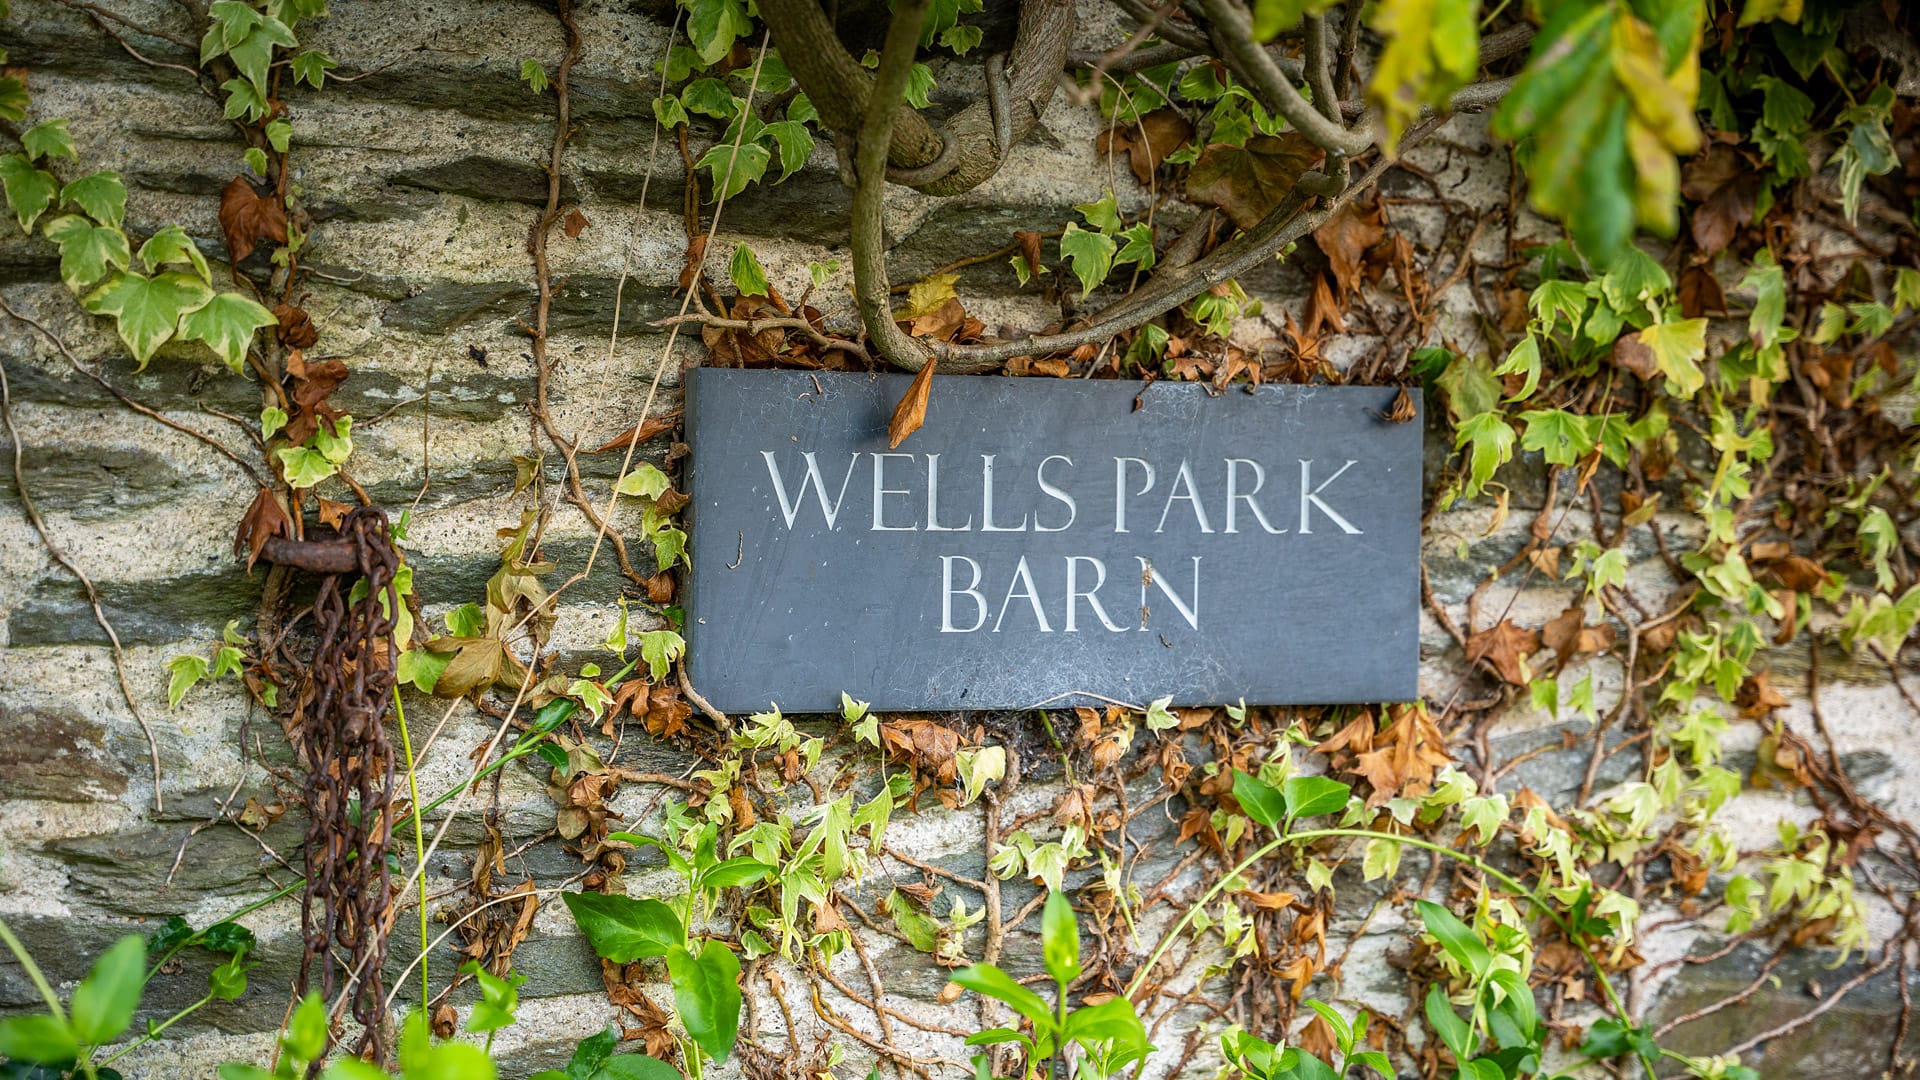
<point x="93" y="594"/>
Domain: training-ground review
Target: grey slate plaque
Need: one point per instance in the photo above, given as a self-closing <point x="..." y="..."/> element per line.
<point x="1042" y="540"/>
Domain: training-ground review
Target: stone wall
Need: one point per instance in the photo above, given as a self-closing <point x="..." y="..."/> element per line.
<point x="423" y="175"/>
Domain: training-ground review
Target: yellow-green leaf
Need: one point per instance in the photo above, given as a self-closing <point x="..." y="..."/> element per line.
<point x="171" y="245"/>
<point x="102" y="196"/>
<point x="226" y="323"/>
<point x="1432" y="49"/>
<point x="147" y="310"/>
<point x="86" y="250"/>
<point x="49" y="138"/>
<point x="29" y="190"/>
<point x="1678" y="348"/>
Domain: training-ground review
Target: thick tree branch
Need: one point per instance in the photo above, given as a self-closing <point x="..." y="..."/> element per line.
<point x="840" y="88"/>
<point x="836" y="83"/>
<point x="1234" y="33"/>
<point x="870" y="188"/>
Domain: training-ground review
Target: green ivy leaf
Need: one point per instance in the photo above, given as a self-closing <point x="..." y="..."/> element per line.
<point x="1563" y="438"/>
<point x="49" y="138"/>
<point x="311" y="67"/>
<point x="86" y="250"/>
<point x="1678" y="348"/>
<point x="227" y="324"/>
<point x="747" y="274"/>
<point x="1381" y="859"/>
<point x="1159" y="716"/>
<point x="1491" y="439"/>
<point x="645" y="482"/>
<point x="29" y="190"/>
<point x="13" y="100"/>
<point x="1634" y="280"/>
<point x="1089" y="253"/>
<point x="244" y="100"/>
<point x="669" y="547"/>
<point x="1523" y="359"/>
<point x="279" y="135"/>
<point x="101" y="195"/>
<point x="1103" y="215"/>
<point x="421" y="668"/>
<point x="304" y="467"/>
<point x="1136" y="245"/>
<point x="147" y="310"/>
<point x="920" y="86"/>
<point x="710" y="97"/>
<point x="712" y="26"/>
<point x="534" y="76"/>
<point x="171" y="245"/>
<point x="730" y="172"/>
<point x="795" y="143"/>
<point x="1769" y="284"/>
<point x="660" y="648"/>
<point x="961" y="39"/>
<point x="232" y="21"/>
<point x="706" y="993"/>
<point x="669" y="111"/>
<point x="188" y="670"/>
<point x="921" y="930"/>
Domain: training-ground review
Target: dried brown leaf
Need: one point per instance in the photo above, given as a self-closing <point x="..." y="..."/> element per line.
<point x="1345" y="239"/>
<point x="263" y="521"/>
<point x="248" y="218"/>
<point x="1504" y="646"/>
<point x="912" y="410"/>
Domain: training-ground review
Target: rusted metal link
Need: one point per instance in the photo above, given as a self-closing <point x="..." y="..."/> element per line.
<point x="336" y="555"/>
<point x="340" y="720"/>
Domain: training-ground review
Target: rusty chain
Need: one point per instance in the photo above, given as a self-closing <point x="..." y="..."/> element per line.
<point x="349" y="790"/>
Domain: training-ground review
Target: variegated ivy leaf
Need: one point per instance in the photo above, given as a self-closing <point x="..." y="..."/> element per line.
<point x="100" y="195"/>
<point x="226" y="324"/>
<point x="171" y="245"/>
<point x="148" y="310"/>
<point x="49" y="138"/>
<point x="29" y="190"/>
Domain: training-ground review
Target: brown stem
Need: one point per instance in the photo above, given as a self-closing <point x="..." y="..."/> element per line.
<point x="869" y="193"/>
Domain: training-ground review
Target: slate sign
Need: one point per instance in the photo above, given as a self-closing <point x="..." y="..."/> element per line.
<point x="1039" y="540"/>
